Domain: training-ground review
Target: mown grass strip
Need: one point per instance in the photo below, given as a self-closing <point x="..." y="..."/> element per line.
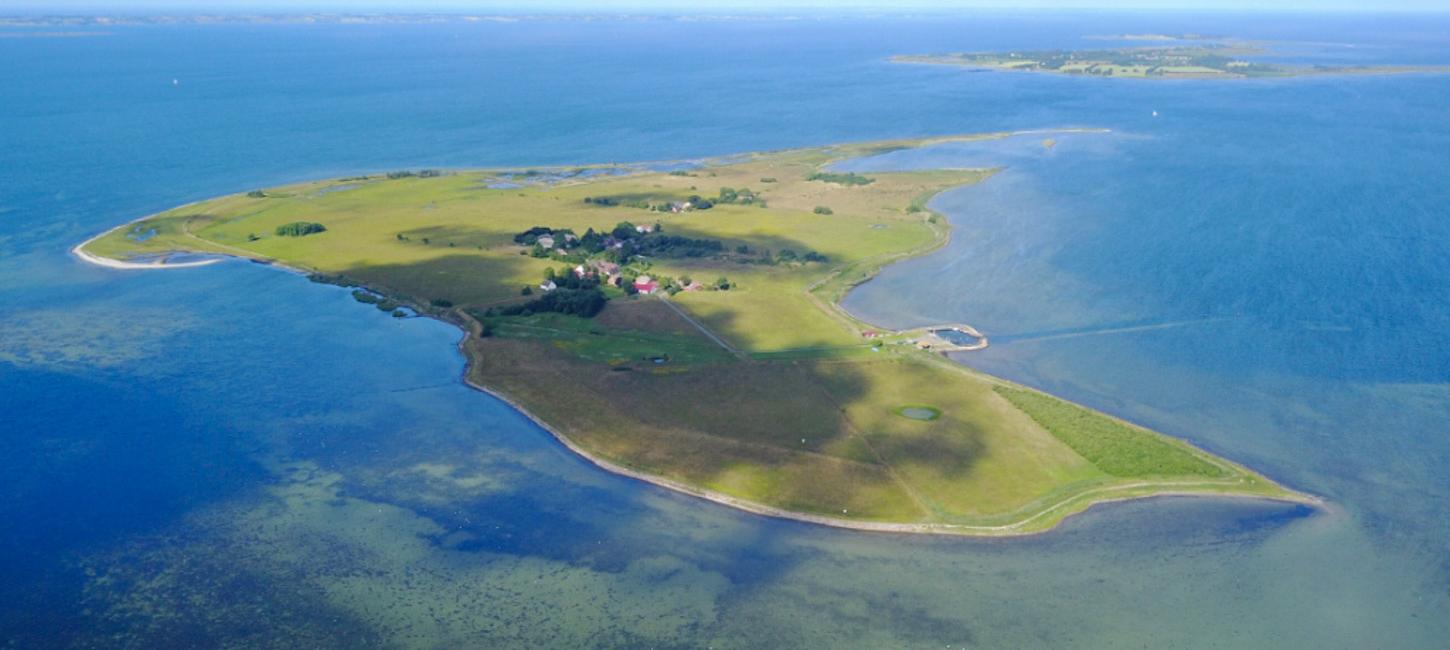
<point x="1114" y="447"/>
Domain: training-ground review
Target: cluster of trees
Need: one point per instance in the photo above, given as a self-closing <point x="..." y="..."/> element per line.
<point x="256" y="194"/>
<point x="787" y="255"/>
<point x="848" y="178"/>
<point x="532" y="235"/>
<point x="565" y="279"/>
<point x="625" y="231"/>
<point x="694" y="202"/>
<point x="784" y="256"/>
<point x="584" y="302"/>
<point x="821" y="209"/>
<point x="742" y="196"/>
<point x="300" y="229"/>
<point x="609" y="201"/>
<point x="657" y="245"/>
<point x="654" y="243"/>
<point x="619" y="245"/>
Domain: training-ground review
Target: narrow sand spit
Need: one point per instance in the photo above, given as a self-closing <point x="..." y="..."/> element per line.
<point x="79" y="251"/>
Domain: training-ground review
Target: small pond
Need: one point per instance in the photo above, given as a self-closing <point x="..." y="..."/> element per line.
<point x="925" y="413"/>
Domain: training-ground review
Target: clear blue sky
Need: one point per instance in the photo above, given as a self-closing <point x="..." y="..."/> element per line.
<point x="687" y="6"/>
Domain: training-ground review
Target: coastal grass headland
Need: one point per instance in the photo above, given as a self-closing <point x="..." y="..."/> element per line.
<point x="681" y="324"/>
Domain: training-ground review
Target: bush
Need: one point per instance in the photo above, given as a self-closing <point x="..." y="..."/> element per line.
<point x="441" y="303"/>
<point x="300" y="229"/>
<point x="256" y="194"/>
<point x="821" y="209"/>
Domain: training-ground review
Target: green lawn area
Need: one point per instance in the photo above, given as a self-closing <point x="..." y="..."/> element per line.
<point x="766" y="392"/>
<point x="1115" y="447"/>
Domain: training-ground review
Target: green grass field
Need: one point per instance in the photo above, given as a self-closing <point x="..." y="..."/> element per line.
<point x="766" y="392"/>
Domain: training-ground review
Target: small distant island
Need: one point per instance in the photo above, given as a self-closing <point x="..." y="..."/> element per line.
<point x="680" y="323"/>
<point x="1230" y="60"/>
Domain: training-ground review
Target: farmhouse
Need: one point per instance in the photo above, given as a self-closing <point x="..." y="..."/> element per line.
<point x="644" y="284"/>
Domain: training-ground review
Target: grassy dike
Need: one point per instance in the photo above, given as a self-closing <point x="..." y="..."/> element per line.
<point x="766" y="396"/>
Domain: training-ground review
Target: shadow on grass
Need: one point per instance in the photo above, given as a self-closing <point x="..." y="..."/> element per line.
<point x="776" y="433"/>
<point x="461" y="279"/>
<point x="779" y="432"/>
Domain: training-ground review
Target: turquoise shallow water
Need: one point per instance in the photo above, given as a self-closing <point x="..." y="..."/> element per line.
<point x="234" y="455"/>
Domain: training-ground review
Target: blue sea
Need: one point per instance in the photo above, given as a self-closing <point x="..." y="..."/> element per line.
<point x="234" y="456"/>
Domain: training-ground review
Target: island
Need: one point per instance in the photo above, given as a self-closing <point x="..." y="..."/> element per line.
<point x="680" y="323"/>
<point x="1198" y="60"/>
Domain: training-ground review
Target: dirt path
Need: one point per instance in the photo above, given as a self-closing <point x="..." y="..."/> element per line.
<point x="703" y="330"/>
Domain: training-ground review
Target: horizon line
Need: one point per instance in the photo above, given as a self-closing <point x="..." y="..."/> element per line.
<point x="35" y="11"/>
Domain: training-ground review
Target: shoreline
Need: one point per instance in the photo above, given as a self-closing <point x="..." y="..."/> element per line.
<point x="1015" y="529"/>
<point x="1059" y="511"/>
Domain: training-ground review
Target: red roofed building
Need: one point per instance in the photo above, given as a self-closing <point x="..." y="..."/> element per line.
<point x="644" y="284"/>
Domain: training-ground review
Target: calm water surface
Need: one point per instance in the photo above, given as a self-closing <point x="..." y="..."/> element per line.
<point x="233" y="455"/>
